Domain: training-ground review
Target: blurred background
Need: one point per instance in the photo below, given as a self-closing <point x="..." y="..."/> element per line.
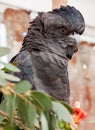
<point x="14" y="21"/>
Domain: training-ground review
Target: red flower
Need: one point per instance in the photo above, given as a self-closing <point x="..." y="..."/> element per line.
<point x="79" y="113"/>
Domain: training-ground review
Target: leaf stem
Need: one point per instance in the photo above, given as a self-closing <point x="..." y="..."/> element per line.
<point x="17" y="120"/>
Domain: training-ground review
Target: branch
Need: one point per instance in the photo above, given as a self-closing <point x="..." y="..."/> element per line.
<point x="17" y="120"/>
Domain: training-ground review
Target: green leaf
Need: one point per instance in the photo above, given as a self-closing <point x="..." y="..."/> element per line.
<point x="70" y="109"/>
<point x="42" y="99"/>
<point x="44" y="122"/>
<point x="10" y="105"/>
<point x="31" y="114"/>
<point x="3" y="105"/>
<point x="26" y="112"/>
<point x="62" y="112"/>
<point x="10" y="67"/>
<point x="9" y="77"/>
<point x="36" y="123"/>
<point x="11" y="127"/>
<point x="53" y="122"/>
<point x="22" y="86"/>
<point x="3" y="82"/>
<point x="52" y="119"/>
<point x="4" y="51"/>
<point x="1" y="119"/>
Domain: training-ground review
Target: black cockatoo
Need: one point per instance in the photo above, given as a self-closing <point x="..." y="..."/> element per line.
<point x="46" y="49"/>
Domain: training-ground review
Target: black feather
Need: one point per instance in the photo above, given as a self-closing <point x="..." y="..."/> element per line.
<point x="47" y="47"/>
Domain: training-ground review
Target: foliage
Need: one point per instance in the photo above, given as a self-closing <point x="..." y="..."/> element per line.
<point x="26" y="109"/>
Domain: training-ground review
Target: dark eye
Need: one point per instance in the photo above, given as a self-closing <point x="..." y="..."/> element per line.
<point x="36" y="49"/>
<point x="76" y="49"/>
<point x="69" y="56"/>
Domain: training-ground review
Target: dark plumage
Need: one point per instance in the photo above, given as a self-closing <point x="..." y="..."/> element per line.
<point x="46" y="49"/>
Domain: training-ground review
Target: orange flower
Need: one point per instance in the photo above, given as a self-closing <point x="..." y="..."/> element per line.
<point x="79" y="113"/>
